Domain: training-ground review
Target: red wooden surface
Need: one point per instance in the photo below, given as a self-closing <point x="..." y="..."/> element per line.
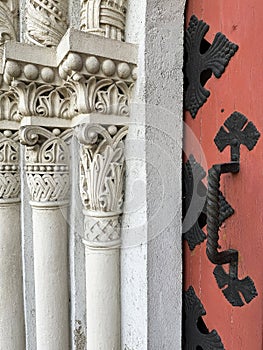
<point x="239" y="89"/>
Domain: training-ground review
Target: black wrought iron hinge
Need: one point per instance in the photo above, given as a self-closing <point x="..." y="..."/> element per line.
<point x="203" y="59"/>
<point x="236" y="131"/>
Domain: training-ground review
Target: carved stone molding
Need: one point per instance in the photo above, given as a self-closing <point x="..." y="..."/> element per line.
<point x="99" y="84"/>
<point x="104" y="17"/>
<point x="68" y="82"/>
<point x="46" y="21"/>
<point x="102" y="169"/>
<point x="9" y="167"/>
<point x="42" y="100"/>
<point x="47" y="164"/>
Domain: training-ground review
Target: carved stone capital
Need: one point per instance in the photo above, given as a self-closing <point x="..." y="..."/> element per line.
<point x="103" y="17"/>
<point x="47" y="165"/>
<point x="102" y="170"/>
<point x="9" y="167"/>
<point x="72" y="81"/>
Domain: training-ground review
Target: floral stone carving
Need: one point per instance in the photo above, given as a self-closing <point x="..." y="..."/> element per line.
<point x="46" y="21"/>
<point x="102" y="170"/>
<point x="47" y="164"/>
<point x="8" y="22"/>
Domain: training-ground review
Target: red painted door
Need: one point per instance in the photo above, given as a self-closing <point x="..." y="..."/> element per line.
<point x="238" y="88"/>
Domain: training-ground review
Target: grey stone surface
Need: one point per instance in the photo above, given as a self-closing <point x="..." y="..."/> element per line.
<point x="152" y="258"/>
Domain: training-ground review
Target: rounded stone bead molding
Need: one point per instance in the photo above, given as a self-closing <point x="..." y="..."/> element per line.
<point x="13" y="69"/>
<point x="112" y="129"/>
<point x="31" y="71"/>
<point x="74" y="62"/>
<point x="92" y="65"/>
<point x="108" y="67"/>
<point x="123" y="70"/>
<point x="47" y="74"/>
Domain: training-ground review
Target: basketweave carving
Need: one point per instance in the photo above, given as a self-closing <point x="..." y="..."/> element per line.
<point x="9" y="167"/>
<point x="104" y="17"/>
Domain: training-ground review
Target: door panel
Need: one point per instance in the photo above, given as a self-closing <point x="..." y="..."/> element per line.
<point x="238" y="89"/>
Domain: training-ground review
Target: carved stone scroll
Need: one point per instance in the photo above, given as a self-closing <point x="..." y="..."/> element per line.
<point x="46" y="21"/>
<point x="104" y="17"/>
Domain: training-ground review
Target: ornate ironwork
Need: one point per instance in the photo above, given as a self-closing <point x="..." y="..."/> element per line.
<point x="235" y="287"/>
<point x="240" y="132"/>
<point x="194" y="193"/>
<point x="196" y="333"/>
<point x="202" y="60"/>
<point x="195" y="205"/>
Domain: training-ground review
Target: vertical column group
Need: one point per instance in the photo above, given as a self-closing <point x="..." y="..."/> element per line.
<point x="47" y="171"/>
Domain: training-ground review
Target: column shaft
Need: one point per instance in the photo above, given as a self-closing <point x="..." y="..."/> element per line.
<point x="51" y="278"/>
<point x="103" y="298"/>
<point x="12" y="327"/>
<point x="12" y="330"/>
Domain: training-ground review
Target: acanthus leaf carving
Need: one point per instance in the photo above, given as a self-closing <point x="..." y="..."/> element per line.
<point x="102" y="167"/>
<point x="27" y="96"/>
<point x="8" y="107"/>
<point x="59" y="103"/>
<point x="9" y="167"/>
<point x="47" y="163"/>
<point x="43" y="100"/>
<point x="8" y="23"/>
<point x="102" y="96"/>
<point x="46" y="21"/>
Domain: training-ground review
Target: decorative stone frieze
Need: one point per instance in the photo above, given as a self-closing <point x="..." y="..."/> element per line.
<point x="9" y="167"/>
<point x="42" y="100"/>
<point x="104" y="17"/>
<point x="69" y="82"/>
<point x="46" y="21"/>
<point x="99" y="84"/>
<point x="47" y="164"/>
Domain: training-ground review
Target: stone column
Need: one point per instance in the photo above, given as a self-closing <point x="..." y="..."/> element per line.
<point x="47" y="159"/>
<point x="12" y="329"/>
<point x="101" y="185"/>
